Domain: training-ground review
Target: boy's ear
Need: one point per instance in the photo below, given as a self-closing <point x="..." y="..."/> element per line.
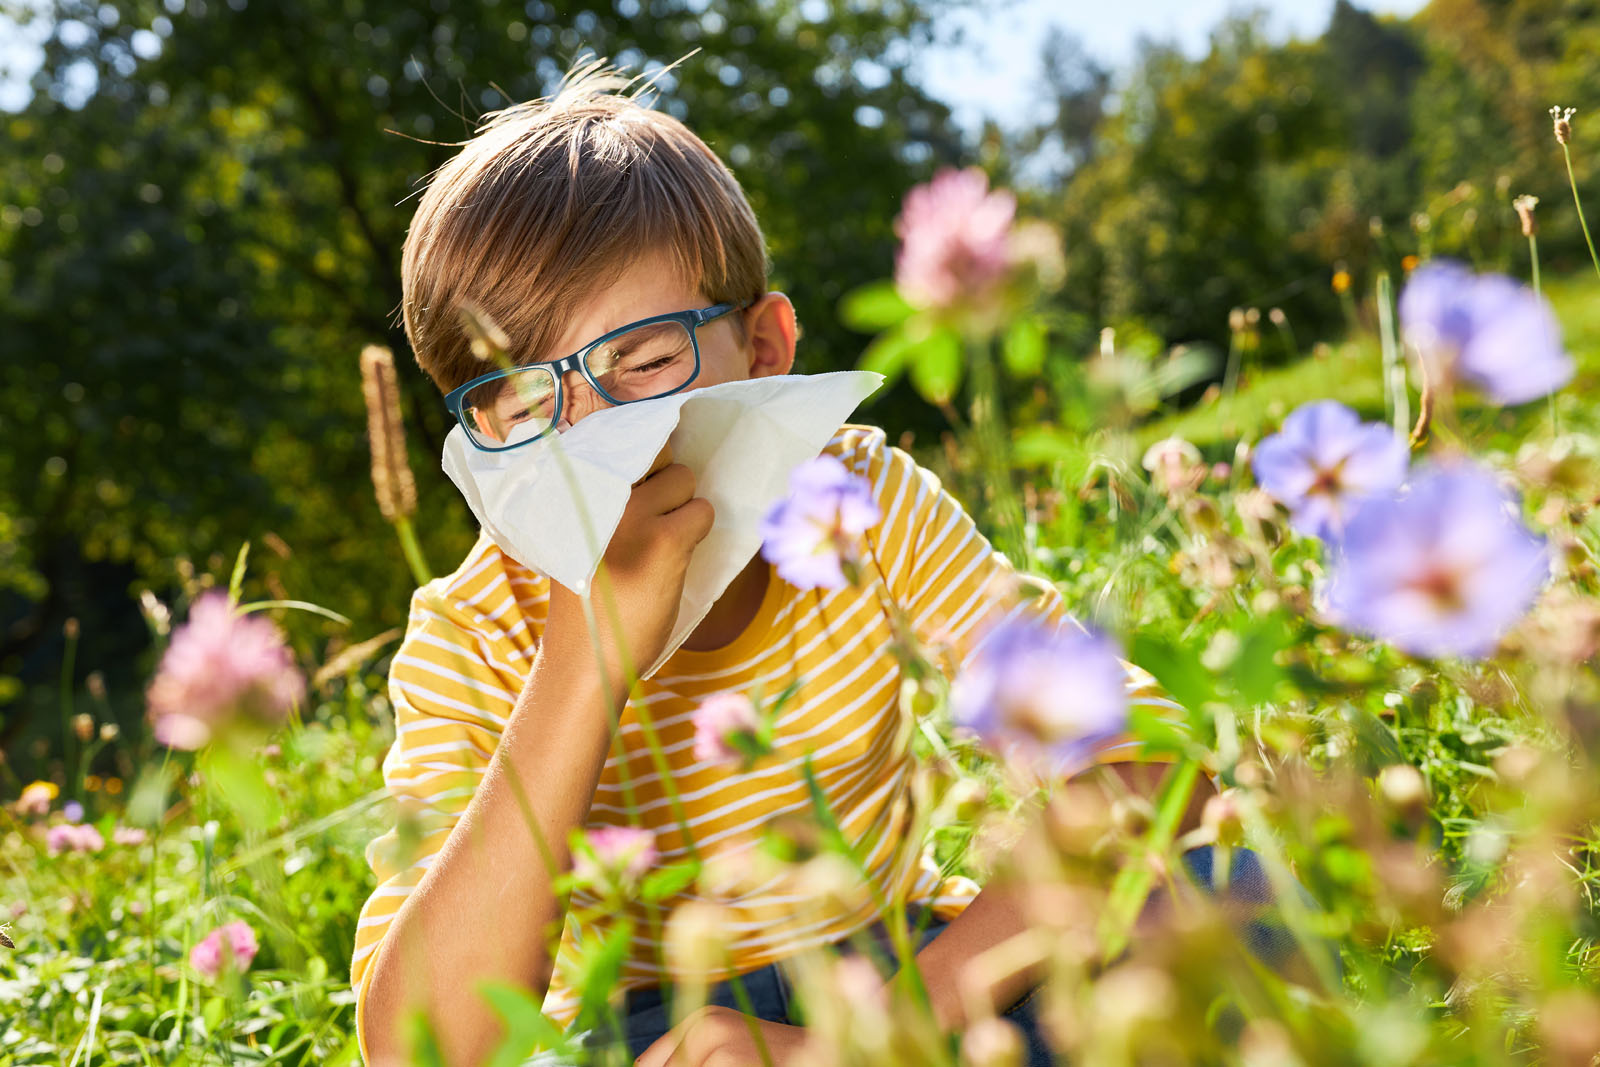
<point x="771" y="330"/>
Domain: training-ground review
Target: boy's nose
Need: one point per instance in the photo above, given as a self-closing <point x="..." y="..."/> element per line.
<point x="581" y="399"/>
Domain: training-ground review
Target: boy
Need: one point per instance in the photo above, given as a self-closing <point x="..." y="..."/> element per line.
<point x="564" y="221"/>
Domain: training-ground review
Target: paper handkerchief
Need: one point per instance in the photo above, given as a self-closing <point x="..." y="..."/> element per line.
<point x="552" y="505"/>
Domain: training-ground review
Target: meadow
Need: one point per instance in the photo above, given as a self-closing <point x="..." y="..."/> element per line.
<point x="1429" y="781"/>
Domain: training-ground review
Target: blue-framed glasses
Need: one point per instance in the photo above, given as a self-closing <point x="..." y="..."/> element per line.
<point x="643" y="360"/>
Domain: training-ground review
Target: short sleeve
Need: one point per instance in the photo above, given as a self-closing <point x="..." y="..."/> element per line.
<point x="952" y="584"/>
<point x="452" y="692"/>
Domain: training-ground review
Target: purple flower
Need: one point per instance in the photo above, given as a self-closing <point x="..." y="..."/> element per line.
<point x="615" y="854"/>
<point x="955" y="239"/>
<point x="1033" y="690"/>
<point x="1485" y="330"/>
<point x="221" y="664"/>
<point x="1324" y="462"/>
<point x="717" y="719"/>
<point x="73" y="837"/>
<point x="1441" y="568"/>
<point x="73" y="811"/>
<point x="232" y="944"/>
<point x="812" y="536"/>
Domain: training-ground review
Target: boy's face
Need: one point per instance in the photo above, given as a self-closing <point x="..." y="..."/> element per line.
<point x="653" y="287"/>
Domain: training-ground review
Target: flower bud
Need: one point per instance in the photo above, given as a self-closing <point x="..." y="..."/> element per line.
<point x="696" y="939"/>
<point x="992" y="1042"/>
<point x="97" y="685"/>
<point x="1562" y="117"/>
<point x="1405" y="791"/>
<point x="1525" y="206"/>
<point x="1221" y="819"/>
<point x="83" y="726"/>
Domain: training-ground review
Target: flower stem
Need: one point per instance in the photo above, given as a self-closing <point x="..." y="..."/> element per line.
<point x="1533" y="259"/>
<point x="408" y="544"/>
<point x="1134" y="880"/>
<point x="989" y="434"/>
<point x="68" y="655"/>
<point x="1419" y="432"/>
<point x="742" y="995"/>
<point x="1573" y="181"/>
<point x="1394" y="369"/>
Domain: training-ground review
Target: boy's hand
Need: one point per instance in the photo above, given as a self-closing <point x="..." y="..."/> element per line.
<point x="720" y="1037"/>
<point x="643" y="571"/>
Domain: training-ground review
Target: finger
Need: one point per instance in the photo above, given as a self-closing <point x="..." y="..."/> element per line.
<point x="663" y="458"/>
<point x="661" y="1050"/>
<point x="665" y="490"/>
<point x="692" y="519"/>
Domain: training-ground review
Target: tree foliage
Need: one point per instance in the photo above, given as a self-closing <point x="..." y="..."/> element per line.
<point x="201" y="216"/>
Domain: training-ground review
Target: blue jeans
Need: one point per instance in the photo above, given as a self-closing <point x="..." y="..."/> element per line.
<point x="645" y="1017"/>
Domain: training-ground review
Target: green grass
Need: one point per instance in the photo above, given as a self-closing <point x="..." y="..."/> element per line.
<point x="1351" y="372"/>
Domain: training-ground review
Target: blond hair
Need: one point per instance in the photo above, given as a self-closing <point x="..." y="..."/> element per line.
<point x="549" y="202"/>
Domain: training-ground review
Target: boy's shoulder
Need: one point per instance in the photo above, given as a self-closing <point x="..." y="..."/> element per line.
<point x="489" y="597"/>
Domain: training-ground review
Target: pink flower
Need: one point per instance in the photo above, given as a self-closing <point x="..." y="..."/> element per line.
<point x="1175" y="465"/>
<point x="717" y="718"/>
<point x="232" y="944"/>
<point x="221" y="664"/>
<point x="956" y="239"/>
<point x="73" y="837"/>
<point x="128" y="835"/>
<point x="36" y="798"/>
<point x="615" y="854"/>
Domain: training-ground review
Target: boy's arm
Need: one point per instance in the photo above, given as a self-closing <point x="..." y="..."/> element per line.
<point x="483" y="904"/>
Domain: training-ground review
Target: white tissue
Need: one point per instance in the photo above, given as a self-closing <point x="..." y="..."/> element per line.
<point x="553" y="505"/>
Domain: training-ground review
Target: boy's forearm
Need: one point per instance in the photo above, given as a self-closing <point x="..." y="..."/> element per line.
<point x="485" y="905"/>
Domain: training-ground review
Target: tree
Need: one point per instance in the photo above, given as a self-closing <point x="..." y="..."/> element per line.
<point x="200" y="225"/>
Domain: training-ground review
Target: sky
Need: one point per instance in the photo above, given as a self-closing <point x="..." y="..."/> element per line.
<point x="986" y="60"/>
<point x="996" y="72"/>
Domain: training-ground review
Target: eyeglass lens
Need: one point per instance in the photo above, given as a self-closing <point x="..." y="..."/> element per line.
<point x="649" y="361"/>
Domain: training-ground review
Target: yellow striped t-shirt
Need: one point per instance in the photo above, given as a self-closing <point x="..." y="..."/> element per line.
<point x="472" y="638"/>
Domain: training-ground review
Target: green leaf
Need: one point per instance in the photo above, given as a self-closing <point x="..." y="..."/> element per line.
<point x="873" y="307"/>
<point x="1044" y="445"/>
<point x="1178" y="669"/>
<point x="528" y="1029"/>
<point x="147" y="802"/>
<point x="1024" y="347"/>
<point x="598" y="973"/>
<point x="665" y="881"/>
<point x="212" y="1013"/>
<point x="241" y="782"/>
<point x="887" y="354"/>
<point x="1375" y="744"/>
<point x="298" y="605"/>
<point x="236" y="582"/>
<point x="936" y="366"/>
<point x="1255" y="673"/>
<point x="424" y="1043"/>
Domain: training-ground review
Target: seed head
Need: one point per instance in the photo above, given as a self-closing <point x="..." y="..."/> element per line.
<point x="1525" y="206"/>
<point x="489" y="341"/>
<point x="391" y="473"/>
<point x="1562" y="117"/>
